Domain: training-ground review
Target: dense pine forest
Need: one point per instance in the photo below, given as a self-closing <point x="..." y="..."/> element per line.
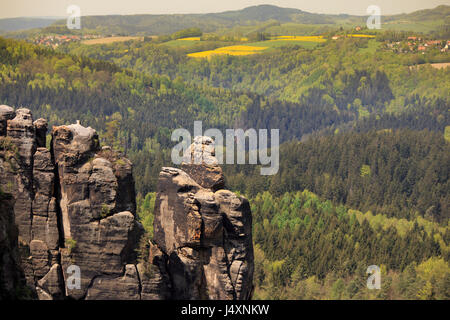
<point x="399" y="173"/>
<point x="364" y="154"/>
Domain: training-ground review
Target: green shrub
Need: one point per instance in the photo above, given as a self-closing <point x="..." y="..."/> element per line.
<point x="105" y="211"/>
<point x="71" y="244"/>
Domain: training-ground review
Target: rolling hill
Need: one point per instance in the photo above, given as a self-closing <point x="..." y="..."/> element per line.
<point x="151" y="24"/>
<point x="15" y="24"/>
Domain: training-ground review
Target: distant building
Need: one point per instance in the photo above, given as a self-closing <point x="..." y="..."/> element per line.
<point x="434" y="42"/>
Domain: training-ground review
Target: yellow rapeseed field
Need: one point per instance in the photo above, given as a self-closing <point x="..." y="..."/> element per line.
<point x="240" y="48"/>
<point x="360" y="36"/>
<point x="191" y="39"/>
<point x="230" y="50"/>
<point x="299" y="38"/>
<point x="243" y="50"/>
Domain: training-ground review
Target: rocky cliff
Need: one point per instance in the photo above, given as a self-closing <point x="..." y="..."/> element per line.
<point x="68" y="227"/>
<point x="203" y="230"/>
<point x="11" y="277"/>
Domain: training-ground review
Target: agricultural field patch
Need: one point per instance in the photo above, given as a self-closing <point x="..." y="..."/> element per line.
<point x="107" y="40"/>
<point x="441" y="65"/>
<point x="186" y="42"/>
<point x="259" y="46"/>
<point x="372" y="47"/>
<point x="360" y="36"/>
<point x="283" y="43"/>
<point x="239" y="50"/>
<point x="298" y="38"/>
<point x="190" y="39"/>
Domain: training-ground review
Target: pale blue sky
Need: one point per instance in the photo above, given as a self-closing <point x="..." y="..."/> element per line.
<point x="24" y="8"/>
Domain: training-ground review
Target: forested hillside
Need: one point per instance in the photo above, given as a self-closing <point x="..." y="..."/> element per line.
<point x="344" y="70"/>
<point x="260" y="17"/>
<point x="335" y="83"/>
<point x="399" y="173"/>
<point x="168" y="23"/>
<point x="13" y="24"/>
<point x="306" y="248"/>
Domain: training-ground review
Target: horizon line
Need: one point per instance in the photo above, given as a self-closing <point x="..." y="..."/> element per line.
<point x="218" y="12"/>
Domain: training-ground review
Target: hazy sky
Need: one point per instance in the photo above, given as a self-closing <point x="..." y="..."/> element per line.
<point x="24" y="8"/>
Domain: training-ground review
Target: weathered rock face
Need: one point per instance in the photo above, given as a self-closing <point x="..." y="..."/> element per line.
<point x="124" y="287"/>
<point x="155" y="279"/>
<point x="45" y="220"/>
<point x="11" y="277"/>
<point x="21" y="133"/>
<point x="201" y="164"/>
<point x="204" y="231"/>
<point x="15" y="179"/>
<point x="6" y="113"/>
<point x="68" y="227"/>
<point x="73" y="205"/>
<point x="99" y="236"/>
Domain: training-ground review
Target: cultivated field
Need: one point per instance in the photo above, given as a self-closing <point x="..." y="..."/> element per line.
<point x="110" y="40"/>
<point x="186" y="42"/>
<point x="260" y="46"/>
<point x="440" y="65"/>
<point x="299" y="38"/>
<point x="433" y="65"/>
<point x="230" y="50"/>
<point x="360" y="35"/>
<point x="190" y="39"/>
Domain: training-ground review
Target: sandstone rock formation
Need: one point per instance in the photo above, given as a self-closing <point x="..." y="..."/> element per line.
<point x="11" y="277"/>
<point x="72" y="209"/>
<point x="73" y="205"/>
<point x="101" y="229"/>
<point x="204" y="231"/>
<point x="201" y="164"/>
